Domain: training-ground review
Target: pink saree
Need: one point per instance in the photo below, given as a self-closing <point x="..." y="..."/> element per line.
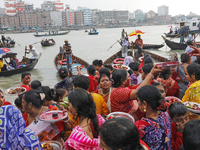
<point x="79" y="140"/>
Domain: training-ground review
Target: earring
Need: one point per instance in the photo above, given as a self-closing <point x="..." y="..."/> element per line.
<point x="145" y="109"/>
<point x="76" y="114"/>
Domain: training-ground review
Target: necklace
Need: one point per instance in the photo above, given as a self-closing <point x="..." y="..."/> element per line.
<point x="104" y="95"/>
<point x="33" y="119"/>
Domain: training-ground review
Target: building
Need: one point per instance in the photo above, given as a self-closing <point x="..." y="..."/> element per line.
<point x="58" y="5"/>
<point x="29" y="7"/>
<point x="87" y="16"/>
<point x="69" y="16"/>
<point x="13" y="21"/>
<point x="150" y="14"/>
<point x="139" y="16"/>
<point x="63" y="19"/>
<point x="95" y="16"/>
<point x="28" y="19"/>
<point x="20" y="6"/>
<point x="121" y="16"/>
<point x="48" y="5"/>
<point x="43" y="19"/>
<point x="2" y="11"/>
<point x="131" y="16"/>
<point x="107" y="17"/>
<point x="78" y="18"/>
<point x="10" y="6"/>
<point x="4" y="21"/>
<point x="163" y="10"/>
<point x="56" y="18"/>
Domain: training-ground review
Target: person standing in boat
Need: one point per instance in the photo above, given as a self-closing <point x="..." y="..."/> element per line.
<point x="125" y="45"/>
<point x="123" y="34"/>
<point x="34" y="52"/>
<point x="68" y="52"/>
<point x="139" y="44"/>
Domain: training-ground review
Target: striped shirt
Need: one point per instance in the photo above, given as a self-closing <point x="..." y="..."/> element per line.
<point x="68" y="49"/>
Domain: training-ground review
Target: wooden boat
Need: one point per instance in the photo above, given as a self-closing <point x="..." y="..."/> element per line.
<point x="93" y="33"/>
<point x="28" y="67"/>
<point x="148" y="46"/>
<point x="46" y="43"/>
<point x="10" y="46"/>
<point x="76" y="61"/>
<point x="174" y="45"/>
<point x="155" y="57"/>
<point x="63" y="33"/>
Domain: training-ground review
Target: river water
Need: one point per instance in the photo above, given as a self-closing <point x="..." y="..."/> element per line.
<point x="87" y="47"/>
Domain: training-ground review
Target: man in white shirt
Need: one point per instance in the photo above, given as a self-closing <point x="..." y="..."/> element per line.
<point x="35" y="53"/>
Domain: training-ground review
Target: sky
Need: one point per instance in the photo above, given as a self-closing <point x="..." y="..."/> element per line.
<point x="176" y="7"/>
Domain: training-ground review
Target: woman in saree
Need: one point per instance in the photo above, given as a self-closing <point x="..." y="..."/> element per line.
<point x="32" y="103"/>
<point x="86" y="134"/>
<point x="155" y="127"/>
<point x="180" y="74"/>
<point x="13" y="134"/>
<point x="25" y="81"/>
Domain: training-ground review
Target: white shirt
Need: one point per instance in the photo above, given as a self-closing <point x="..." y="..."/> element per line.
<point x="34" y="52"/>
<point x="189" y="49"/>
<point x="139" y="78"/>
<point x="128" y="60"/>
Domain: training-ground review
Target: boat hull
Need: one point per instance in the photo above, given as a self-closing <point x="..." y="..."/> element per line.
<point x="89" y="33"/>
<point x="21" y="69"/>
<point x="47" y="44"/>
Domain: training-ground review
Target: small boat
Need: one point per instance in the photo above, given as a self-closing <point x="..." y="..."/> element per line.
<point x="62" y="33"/>
<point x="86" y="30"/>
<point x="76" y="61"/>
<point x="148" y="46"/>
<point x="25" y="67"/>
<point x="47" y="43"/>
<point x="94" y="32"/>
<point x="155" y="57"/>
<point x="9" y="46"/>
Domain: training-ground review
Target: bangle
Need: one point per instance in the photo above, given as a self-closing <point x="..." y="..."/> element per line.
<point x="67" y="120"/>
<point x="151" y="75"/>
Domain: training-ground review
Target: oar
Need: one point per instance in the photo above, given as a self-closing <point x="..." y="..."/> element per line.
<point x="36" y="42"/>
<point x="62" y="56"/>
<point x="112" y="45"/>
<point x="17" y="43"/>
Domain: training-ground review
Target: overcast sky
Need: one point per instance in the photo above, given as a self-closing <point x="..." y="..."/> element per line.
<point x="175" y="6"/>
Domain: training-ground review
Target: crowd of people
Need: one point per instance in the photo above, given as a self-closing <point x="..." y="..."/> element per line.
<point x="141" y="92"/>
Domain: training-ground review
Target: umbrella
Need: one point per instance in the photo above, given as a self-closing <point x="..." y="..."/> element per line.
<point x="9" y="55"/>
<point x="184" y="30"/>
<point x="4" y="50"/>
<point x="136" y="32"/>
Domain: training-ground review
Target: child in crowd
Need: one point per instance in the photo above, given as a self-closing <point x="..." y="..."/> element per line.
<point x="93" y="83"/>
<point x="128" y="59"/>
<point x="179" y="117"/>
<point x="135" y="67"/>
<point x="35" y="84"/>
<point x="110" y="68"/>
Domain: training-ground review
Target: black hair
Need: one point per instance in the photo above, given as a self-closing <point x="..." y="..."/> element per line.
<point x="130" y="53"/>
<point x="134" y="66"/>
<point x="91" y="69"/>
<point x="97" y="63"/>
<point x="18" y="101"/>
<point x="118" y="77"/>
<point x="177" y="109"/>
<point x="185" y="58"/>
<point x="83" y="102"/>
<point x="48" y="92"/>
<point x="63" y="72"/>
<point x="194" y="69"/>
<point x="25" y="74"/>
<point x="191" y="135"/>
<point x="130" y="71"/>
<point x="165" y="74"/>
<point x="147" y="68"/>
<point x="35" y="84"/>
<point x="1" y="58"/>
<point x="81" y="81"/>
<point x="151" y="95"/>
<point x="104" y="70"/>
<point x="35" y="97"/>
<point x="102" y="76"/>
<point x="127" y="139"/>
<point x="148" y="60"/>
<point x="59" y="93"/>
<point x="157" y="84"/>
<point x="108" y="66"/>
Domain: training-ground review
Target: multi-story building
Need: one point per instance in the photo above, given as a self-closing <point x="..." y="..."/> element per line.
<point x="13" y="21"/>
<point x="78" y="17"/>
<point x="2" y="11"/>
<point x="121" y="16"/>
<point x="4" y="21"/>
<point x="28" y="19"/>
<point x="87" y="17"/>
<point x="95" y="16"/>
<point x="20" y="6"/>
<point x="150" y="14"/>
<point x="29" y="7"/>
<point x="69" y="16"/>
<point x="63" y="19"/>
<point x="139" y="16"/>
<point x="56" y="18"/>
<point x="131" y="16"/>
<point x="163" y="10"/>
<point x="58" y="5"/>
<point x="48" y="5"/>
<point x="43" y="18"/>
<point x="10" y="6"/>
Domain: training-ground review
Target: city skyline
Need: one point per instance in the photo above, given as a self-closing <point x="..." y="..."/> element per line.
<point x="175" y="7"/>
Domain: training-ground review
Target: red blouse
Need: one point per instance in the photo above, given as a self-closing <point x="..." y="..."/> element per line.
<point x="93" y="84"/>
<point x="174" y="91"/>
<point x="176" y="137"/>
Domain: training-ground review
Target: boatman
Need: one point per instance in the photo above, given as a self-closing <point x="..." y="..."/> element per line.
<point x="123" y="34"/>
<point x="35" y="53"/>
<point x="68" y="53"/>
<point x="139" y="44"/>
